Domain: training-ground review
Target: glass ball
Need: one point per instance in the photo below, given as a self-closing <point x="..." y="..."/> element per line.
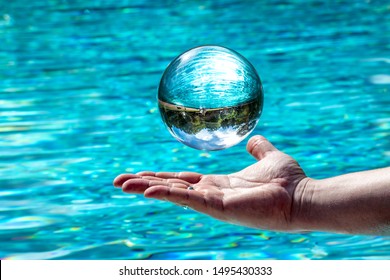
<point x="210" y="98"/>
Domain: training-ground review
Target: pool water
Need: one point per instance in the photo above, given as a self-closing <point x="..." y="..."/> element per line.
<point x="78" y="106"/>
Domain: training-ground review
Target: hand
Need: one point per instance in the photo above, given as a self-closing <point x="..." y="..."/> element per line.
<point x="263" y="195"/>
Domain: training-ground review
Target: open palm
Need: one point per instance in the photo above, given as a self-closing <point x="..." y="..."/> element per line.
<point x="261" y="195"/>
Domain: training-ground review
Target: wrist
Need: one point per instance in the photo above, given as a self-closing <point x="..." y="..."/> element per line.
<point x="355" y="203"/>
<point x="303" y="204"/>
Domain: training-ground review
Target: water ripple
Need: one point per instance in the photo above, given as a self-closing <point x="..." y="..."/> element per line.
<point x="78" y="106"/>
<point x="26" y="222"/>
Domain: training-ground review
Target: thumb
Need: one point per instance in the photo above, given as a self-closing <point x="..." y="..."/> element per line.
<point x="258" y="146"/>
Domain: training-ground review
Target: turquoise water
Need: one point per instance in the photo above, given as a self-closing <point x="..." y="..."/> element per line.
<point x="78" y="85"/>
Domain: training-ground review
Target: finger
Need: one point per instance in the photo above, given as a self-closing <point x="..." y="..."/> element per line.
<point x="190" y="177"/>
<point x="135" y="186"/>
<point x="258" y="146"/>
<point x="190" y="198"/>
<point x="141" y="185"/>
<point x="166" y="180"/>
<point x="119" y="180"/>
<point x="178" y="181"/>
<point x="146" y="173"/>
<point x="152" y="178"/>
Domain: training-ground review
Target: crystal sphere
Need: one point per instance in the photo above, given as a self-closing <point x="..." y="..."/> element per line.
<point x="210" y="98"/>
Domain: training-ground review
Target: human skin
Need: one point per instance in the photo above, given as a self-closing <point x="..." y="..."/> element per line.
<point x="275" y="194"/>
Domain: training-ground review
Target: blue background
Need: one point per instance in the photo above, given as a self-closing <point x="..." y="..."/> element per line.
<point x="78" y="86"/>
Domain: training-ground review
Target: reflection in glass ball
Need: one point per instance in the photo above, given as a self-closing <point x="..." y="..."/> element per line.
<point x="210" y="98"/>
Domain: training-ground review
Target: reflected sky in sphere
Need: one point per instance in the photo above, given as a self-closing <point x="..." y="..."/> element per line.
<point x="210" y="98"/>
